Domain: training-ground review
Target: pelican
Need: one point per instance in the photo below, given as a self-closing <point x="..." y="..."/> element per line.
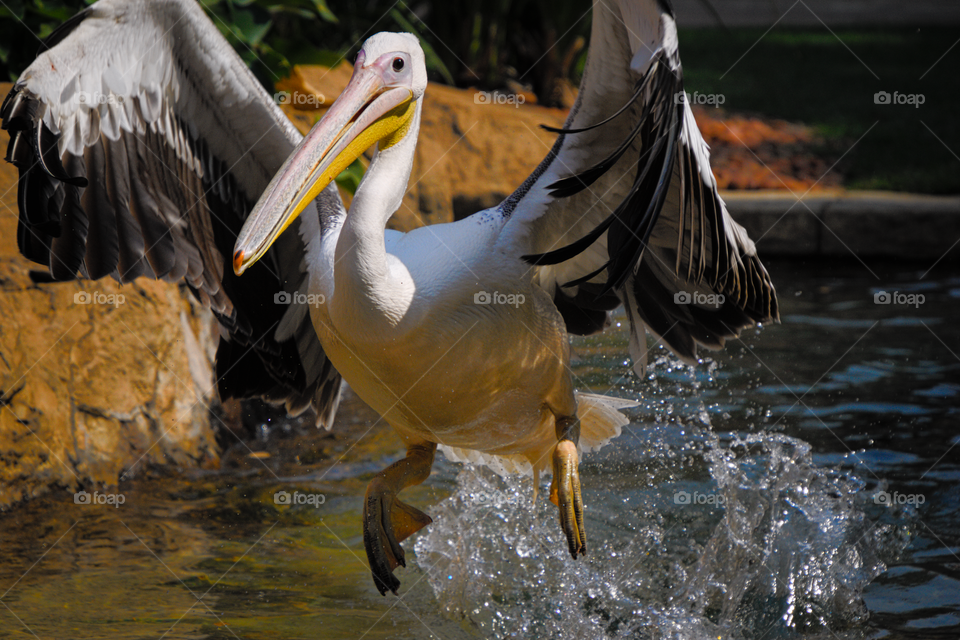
<point x="457" y="334"/>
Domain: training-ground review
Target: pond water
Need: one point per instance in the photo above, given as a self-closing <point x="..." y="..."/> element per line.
<point x="805" y="482"/>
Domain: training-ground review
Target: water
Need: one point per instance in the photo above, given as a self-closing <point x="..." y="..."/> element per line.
<point x="804" y="482"/>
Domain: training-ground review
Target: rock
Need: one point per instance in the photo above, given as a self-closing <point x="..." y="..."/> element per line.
<point x="92" y="391"/>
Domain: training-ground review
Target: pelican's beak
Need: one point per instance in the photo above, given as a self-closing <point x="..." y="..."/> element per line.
<point x="367" y="112"/>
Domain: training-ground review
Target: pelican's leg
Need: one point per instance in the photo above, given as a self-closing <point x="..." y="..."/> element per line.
<point x="387" y="521"/>
<point x="565" y="488"/>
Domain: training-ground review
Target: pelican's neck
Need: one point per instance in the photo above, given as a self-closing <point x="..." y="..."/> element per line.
<point x="361" y="257"/>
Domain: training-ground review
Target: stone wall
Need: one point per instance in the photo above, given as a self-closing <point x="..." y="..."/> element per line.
<point x="816" y="13"/>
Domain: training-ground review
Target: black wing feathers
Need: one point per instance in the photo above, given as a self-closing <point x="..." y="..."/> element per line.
<point x="631" y="223"/>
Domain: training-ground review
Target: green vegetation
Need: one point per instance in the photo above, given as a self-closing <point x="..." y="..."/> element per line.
<point x="263" y="32"/>
<point x="473" y="42"/>
<point x="811" y="76"/>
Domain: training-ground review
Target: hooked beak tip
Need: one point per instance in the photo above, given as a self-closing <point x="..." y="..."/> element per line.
<point x="238" y="267"/>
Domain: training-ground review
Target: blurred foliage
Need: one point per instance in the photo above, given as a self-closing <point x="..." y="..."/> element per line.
<point x="828" y="80"/>
<point x="532" y="43"/>
<point x="23" y="26"/>
<point x="263" y="32"/>
<point x="350" y="177"/>
<point x="481" y="43"/>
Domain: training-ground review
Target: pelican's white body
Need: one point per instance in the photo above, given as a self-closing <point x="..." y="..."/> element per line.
<point x="443" y="330"/>
<point x="424" y="350"/>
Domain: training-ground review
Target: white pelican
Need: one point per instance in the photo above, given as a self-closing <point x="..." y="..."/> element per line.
<point x="456" y="333"/>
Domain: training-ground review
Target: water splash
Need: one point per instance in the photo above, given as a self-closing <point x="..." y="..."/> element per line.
<point x="762" y="543"/>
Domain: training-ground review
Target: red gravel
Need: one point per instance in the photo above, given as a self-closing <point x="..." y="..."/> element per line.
<point x="750" y="152"/>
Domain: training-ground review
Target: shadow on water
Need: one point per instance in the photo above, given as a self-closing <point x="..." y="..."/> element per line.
<point x="802" y="483"/>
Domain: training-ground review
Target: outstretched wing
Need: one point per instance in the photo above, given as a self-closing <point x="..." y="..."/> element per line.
<point x="625" y="208"/>
<point x="142" y="142"/>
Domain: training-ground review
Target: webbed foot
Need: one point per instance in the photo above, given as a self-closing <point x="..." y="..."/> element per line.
<point x="387" y="521"/>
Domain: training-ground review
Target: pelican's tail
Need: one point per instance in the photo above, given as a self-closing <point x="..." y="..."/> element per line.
<point x="600" y="422"/>
<point x="600" y="419"/>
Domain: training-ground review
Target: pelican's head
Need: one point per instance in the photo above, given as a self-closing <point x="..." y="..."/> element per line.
<point x="378" y="105"/>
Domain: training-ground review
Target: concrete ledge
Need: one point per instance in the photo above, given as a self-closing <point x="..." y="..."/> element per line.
<point x="816" y="13"/>
<point x="841" y="223"/>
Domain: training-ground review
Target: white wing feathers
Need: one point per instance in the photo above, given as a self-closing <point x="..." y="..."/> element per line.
<point x="133" y="65"/>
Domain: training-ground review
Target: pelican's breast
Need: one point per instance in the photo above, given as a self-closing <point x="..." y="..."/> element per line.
<point x="475" y="360"/>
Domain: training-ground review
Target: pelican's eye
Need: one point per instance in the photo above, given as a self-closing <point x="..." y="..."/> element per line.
<point x="398" y="64"/>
